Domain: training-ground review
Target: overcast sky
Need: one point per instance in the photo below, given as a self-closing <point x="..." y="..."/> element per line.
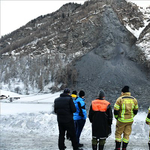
<point x="16" y="13"/>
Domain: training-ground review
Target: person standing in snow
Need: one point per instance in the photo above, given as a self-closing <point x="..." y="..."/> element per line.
<point x="125" y="108"/>
<point x="74" y="97"/>
<point x="64" y="108"/>
<point x="148" y="122"/>
<point x="100" y="115"/>
<point x="80" y="115"/>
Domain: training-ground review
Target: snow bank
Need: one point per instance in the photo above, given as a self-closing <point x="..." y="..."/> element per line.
<point x="27" y="108"/>
<point x="6" y="93"/>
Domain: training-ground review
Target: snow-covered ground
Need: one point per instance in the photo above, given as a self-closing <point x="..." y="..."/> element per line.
<point x="30" y="124"/>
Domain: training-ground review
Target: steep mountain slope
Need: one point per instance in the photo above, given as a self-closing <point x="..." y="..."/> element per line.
<point x="144" y="42"/>
<point x="79" y="46"/>
<point x="114" y="63"/>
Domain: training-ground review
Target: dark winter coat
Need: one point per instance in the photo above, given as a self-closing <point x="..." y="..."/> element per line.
<point x="100" y="116"/>
<point x="64" y="108"/>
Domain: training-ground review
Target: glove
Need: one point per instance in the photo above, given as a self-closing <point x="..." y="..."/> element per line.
<point x="116" y="116"/>
<point x="81" y="114"/>
<point x="147" y="123"/>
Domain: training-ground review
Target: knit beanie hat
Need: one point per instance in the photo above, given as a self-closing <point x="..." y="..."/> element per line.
<point x="125" y="89"/>
<point x="74" y="92"/>
<point x="66" y="90"/>
<point x="101" y="94"/>
<point x="81" y="93"/>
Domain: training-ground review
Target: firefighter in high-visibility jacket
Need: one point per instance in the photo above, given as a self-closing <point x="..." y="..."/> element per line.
<point x="148" y="122"/>
<point x="100" y="115"/>
<point x="125" y="108"/>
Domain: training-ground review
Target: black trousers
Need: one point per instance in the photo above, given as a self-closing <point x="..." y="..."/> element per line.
<point x="69" y="127"/>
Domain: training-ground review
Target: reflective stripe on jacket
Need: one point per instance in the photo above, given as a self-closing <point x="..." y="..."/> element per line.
<point x="126" y="104"/>
<point x="148" y="117"/>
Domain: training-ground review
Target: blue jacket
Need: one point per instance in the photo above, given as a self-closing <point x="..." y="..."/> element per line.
<point x="80" y="109"/>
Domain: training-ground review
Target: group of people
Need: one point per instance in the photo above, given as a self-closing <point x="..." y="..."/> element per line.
<point x="71" y="116"/>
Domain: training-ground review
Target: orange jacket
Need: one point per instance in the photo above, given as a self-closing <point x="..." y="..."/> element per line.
<point x="100" y="115"/>
<point x="100" y="105"/>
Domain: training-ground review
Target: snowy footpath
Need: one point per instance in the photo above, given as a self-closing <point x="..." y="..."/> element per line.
<point x="30" y="124"/>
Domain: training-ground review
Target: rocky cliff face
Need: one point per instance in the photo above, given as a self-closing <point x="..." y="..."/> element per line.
<point x="79" y="46"/>
<point x="143" y="42"/>
<point x="115" y="62"/>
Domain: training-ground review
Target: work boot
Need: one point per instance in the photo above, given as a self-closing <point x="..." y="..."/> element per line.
<point x="94" y="147"/>
<point x="124" y="146"/>
<point x="63" y="148"/>
<point x="118" y="144"/>
<point x="78" y="149"/>
<point x="101" y="147"/>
